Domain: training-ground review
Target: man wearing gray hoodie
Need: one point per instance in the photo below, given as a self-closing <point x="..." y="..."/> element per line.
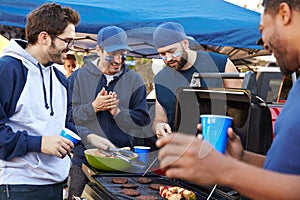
<point x="33" y="107"/>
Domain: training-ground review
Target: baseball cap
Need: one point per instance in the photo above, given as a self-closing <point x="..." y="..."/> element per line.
<point x="113" y="38"/>
<point x="168" y="33"/>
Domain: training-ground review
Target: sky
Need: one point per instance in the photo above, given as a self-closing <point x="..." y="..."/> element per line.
<point x="250" y="4"/>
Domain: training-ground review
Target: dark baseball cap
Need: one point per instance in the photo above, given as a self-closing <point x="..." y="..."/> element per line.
<point x="168" y="33"/>
<point x="113" y="38"/>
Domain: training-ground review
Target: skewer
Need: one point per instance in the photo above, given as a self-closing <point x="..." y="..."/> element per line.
<point x="149" y="166"/>
<point x="211" y="192"/>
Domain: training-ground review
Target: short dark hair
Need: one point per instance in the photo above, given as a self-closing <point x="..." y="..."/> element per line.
<point x="70" y="57"/>
<point x="272" y="6"/>
<point x="49" y="17"/>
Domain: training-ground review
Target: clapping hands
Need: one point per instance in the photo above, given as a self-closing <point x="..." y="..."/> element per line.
<point x="106" y="101"/>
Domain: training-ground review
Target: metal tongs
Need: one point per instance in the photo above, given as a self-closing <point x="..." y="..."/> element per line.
<point x="126" y="155"/>
<point x="123" y="152"/>
<point x="135" y="162"/>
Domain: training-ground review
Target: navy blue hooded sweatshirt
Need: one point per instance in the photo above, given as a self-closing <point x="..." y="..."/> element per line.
<point x="33" y="103"/>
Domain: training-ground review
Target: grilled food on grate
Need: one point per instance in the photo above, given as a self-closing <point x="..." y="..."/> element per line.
<point x="176" y="193"/>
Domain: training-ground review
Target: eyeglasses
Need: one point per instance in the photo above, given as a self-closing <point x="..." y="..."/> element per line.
<point x="111" y="58"/>
<point x="70" y="42"/>
<point x="174" y="55"/>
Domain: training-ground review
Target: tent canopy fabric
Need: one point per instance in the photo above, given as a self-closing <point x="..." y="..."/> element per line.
<point x="209" y="22"/>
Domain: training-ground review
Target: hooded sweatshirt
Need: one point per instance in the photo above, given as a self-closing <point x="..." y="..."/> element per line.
<point x="33" y="103"/>
<point x="84" y="85"/>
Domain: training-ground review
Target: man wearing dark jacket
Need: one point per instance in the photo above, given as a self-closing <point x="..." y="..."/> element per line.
<point x="108" y="100"/>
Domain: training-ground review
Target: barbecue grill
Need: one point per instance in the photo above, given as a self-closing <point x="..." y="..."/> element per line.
<point x="101" y="187"/>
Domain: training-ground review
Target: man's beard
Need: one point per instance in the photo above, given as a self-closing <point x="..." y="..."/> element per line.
<point x="182" y="62"/>
<point x="55" y="55"/>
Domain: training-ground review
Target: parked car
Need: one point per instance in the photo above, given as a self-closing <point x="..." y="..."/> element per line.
<point x="273" y="87"/>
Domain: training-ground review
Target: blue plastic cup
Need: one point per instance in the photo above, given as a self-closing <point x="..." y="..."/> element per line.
<point x="67" y="133"/>
<point x="142" y="152"/>
<point x="214" y="130"/>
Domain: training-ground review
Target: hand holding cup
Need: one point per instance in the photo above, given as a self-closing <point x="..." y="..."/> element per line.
<point x="214" y="130"/>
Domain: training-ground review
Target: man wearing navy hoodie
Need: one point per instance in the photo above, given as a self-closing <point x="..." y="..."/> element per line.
<point x="33" y="107"/>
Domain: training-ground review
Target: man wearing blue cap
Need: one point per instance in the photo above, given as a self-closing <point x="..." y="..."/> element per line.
<point x="108" y="101"/>
<point x="173" y="47"/>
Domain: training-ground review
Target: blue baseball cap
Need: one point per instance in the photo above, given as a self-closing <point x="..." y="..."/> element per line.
<point x="113" y="38"/>
<point x="168" y="33"/>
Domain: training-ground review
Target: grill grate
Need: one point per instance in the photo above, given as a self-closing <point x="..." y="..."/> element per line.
<point x="113" y="191"/>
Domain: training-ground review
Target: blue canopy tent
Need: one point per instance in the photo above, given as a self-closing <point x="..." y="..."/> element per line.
<point x="216" y="24"/>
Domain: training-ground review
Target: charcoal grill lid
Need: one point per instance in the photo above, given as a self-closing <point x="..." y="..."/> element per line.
<point x="190" y="102"/>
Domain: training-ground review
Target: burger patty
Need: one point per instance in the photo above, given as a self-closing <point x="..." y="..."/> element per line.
<point x="119" y="180"/>
<point x="129" y="185"/>
<point x="131" y="192"/>
<point x="155" y="186"/>
<point x="144" y="180"/>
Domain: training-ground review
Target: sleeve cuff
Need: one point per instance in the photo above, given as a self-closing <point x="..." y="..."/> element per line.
<point x="89" y="110"/>
<point x="122" y="115"/>
<point x="34" y="143"/>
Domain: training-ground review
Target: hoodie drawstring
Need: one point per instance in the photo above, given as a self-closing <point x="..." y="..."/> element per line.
<point x="51" y="93"/>
<point x="44" y="89"/>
